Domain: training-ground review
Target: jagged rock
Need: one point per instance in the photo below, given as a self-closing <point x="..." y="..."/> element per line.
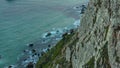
<point x="68" y="53"/>
<point x="98" y="38"/>
<point x="83" y="9"/>
<point x="98" y="45"/>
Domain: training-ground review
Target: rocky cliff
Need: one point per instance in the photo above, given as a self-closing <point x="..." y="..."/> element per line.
<point x="95" y="44"/>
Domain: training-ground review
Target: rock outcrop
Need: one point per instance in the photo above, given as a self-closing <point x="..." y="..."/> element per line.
<point x="99" y="43"/>
<point x="96" y="43"/>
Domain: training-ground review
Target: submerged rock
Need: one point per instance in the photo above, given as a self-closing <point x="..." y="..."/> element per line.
<point x="12" y="66"/>
<point x="10" y="0"/>
<point x="9" y="66"/>
<point x="0" y="56"/>
<point x="31" y="45"/>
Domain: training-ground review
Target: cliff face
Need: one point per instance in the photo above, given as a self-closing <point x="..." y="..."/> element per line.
<point x="96" y="43"/>
<point x="99" y="33"/>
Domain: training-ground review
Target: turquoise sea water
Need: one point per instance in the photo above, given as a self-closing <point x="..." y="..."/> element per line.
<point x="24" y="21"/>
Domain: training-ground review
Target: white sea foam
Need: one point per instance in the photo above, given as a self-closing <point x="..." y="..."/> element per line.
<point x="54" y="32"/>
<point x="45" y="50"/>
<point x="76" y="23"/>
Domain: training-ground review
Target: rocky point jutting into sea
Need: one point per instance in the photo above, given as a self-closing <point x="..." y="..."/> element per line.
<point x="95" y="44"/>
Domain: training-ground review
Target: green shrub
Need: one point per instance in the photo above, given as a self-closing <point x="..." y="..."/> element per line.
<point x="46" y="61"/>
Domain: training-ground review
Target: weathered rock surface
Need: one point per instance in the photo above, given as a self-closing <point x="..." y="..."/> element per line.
<point x="96" y="43"/>
<point x="99" y="36"/>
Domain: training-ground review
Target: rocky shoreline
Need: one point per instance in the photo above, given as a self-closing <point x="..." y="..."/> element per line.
<point x="35" y="50"/>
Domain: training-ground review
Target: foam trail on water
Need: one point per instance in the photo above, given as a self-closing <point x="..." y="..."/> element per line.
<point x="76" y="23"/>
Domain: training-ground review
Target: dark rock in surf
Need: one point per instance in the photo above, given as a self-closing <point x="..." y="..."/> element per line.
<point x="83" y="9"/>
<point x="31" y="45"/>
<point x="48" y="34"/>
<point x="30" y="65"/>
<point x="49" y="45"/>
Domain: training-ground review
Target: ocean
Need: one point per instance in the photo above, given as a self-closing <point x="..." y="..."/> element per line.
<point x="24" y="21"/>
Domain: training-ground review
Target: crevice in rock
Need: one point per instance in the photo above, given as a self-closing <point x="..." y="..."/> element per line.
<point x="104" y="57"/>
<point x="90" y="63"/>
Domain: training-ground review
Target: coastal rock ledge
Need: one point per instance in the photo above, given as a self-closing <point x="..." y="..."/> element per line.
<point x="95" y="44"/>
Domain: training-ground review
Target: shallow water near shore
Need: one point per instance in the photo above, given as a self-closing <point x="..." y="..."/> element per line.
<point x="24" y="21"/>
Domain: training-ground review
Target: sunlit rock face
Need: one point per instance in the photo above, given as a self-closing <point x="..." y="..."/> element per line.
<point x="96" y="43"/>
<point x="99" y="43"/>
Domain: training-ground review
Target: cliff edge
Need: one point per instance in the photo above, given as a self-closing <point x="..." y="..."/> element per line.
<point x="95" y="44"/>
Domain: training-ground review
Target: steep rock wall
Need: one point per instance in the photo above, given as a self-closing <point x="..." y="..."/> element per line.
<point x="99" y="33"/>
<point x="96" y="43"/>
